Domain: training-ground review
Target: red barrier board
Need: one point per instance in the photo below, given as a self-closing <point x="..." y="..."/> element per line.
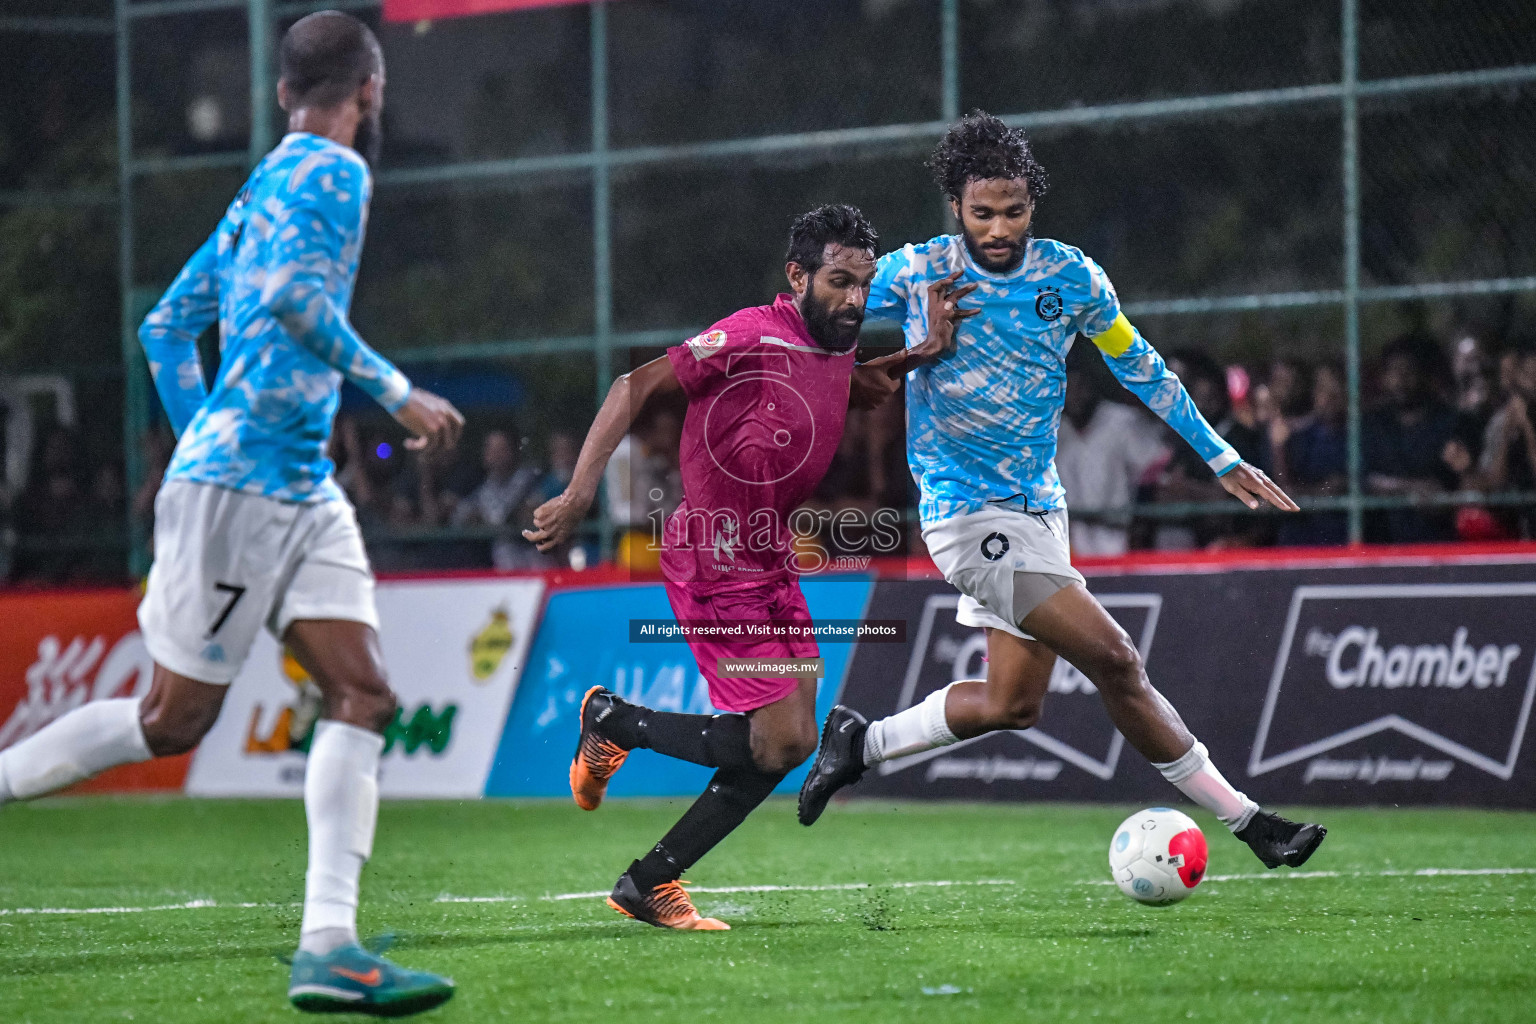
<point x="63" y="649"/>
<point x="429" y="10"/>
<point x="59" y="649"/>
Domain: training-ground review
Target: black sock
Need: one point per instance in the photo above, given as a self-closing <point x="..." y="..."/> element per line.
<point x="733" y="794"/>
<point x="714" y="741"/>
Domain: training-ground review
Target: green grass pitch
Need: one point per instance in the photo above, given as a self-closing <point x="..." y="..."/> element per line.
<point x="1369" y="941"/>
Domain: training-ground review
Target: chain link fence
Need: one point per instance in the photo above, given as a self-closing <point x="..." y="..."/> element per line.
<point x="1285" y="187"/>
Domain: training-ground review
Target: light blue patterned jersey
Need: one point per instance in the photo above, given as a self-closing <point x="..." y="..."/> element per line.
<point x="981" y="423"/>
<point x="277" y="275"/>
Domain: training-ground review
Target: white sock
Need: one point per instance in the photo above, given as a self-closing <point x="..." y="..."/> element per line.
<point x="921" y="727"/>
<point x="1199" y="780"/>
<point x="341" y="803"/>
<point x="88" y="740"/>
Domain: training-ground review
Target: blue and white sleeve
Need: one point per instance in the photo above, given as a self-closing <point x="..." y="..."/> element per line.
<point x="889" y="290"/>
<point x="169" y="335"/>
<point x="1137" y="365"/>
<point x="309" y="237"/>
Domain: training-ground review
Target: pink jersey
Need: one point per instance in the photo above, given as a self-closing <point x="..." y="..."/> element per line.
<point x="766" y="406"/>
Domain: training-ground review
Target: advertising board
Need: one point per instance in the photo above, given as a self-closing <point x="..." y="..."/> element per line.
<point x="1363" y="684"/>
<point x="454" y="651"/>
<point x="584" y="640"/>
<point x="61" y="649"/>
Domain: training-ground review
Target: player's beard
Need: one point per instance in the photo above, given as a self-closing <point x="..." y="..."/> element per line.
<point x="835" y="333"/>
<point x="989" y="263"/>
<point x="369" y="140"/>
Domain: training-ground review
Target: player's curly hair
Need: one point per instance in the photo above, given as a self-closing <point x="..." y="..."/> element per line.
<point x="979" y="147"/>
<point x="834" y="223"/>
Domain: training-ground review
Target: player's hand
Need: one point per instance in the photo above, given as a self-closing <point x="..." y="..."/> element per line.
<point x="944" y="314"/>
<point x="556" y="520"/>
<point x="433" y="421"/>
<point x="871" y="383"/>
<point x="893" y="365"/>
<point x="1248" y="484"/>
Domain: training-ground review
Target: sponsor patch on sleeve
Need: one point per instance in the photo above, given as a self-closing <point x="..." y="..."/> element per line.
<point x="705" y="345"/>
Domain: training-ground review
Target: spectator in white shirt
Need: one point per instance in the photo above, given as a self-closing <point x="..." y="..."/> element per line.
<point x="1102" y="451"/>
<point x="643" y="481"/>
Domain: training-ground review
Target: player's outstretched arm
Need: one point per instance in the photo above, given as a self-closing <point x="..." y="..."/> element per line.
<point x="298" y="300"/>
<point x="1136" y="364"/>
<point x="169" y="335"/>
<point x="308" y="240"/>
<point x="557" y="519"/>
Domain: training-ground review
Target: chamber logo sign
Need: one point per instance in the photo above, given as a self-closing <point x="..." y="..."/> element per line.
<point x="1450" y="666"/>
<point x="945" y="650"/>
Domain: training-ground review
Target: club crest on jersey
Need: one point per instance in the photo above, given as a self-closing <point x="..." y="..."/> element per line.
<point x="1048" y="304"/>
<point x="994" y="546"/>
<point x="705" y="345"/>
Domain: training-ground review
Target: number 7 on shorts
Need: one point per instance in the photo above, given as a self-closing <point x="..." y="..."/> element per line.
<point x="235" y="594"/>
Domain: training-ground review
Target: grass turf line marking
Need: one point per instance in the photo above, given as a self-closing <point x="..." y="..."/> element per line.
<point x="189" y="905"/>
<point x="842" y="887"/>
<point x="718" y="889"/>
<point x="1304" y="875"/>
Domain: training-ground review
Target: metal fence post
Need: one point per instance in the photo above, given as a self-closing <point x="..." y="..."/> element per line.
<point x="1351" y="169"/>
<point x="135" y="386"/>
<point x="602" y="262"/>
<point x="259" y="27"/>
<point x="949" y="93"/>
<point x="949" y="41"/>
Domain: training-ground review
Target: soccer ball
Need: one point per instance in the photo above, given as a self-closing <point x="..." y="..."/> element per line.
<point x="1157" y="856"/>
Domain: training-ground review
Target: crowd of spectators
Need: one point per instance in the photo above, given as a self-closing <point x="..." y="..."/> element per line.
<point x="61" y="524"/>
<point x="1447" y="428"/>
<point x="459" y="509"/>
<point x="1445" y="431"/>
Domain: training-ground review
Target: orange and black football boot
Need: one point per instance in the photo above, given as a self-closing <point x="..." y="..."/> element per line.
<point x="597" y="757"/>
<point x="665" y="906"/>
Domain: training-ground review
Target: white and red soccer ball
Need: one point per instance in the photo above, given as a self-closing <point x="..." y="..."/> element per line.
<point x="1157" y="856"/>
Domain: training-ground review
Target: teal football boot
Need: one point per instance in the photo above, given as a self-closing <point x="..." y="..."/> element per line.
<point x="349" y="979"/>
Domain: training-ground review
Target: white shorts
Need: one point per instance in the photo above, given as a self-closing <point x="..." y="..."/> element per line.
<point x="980" y="553"/>
<point x="227" y="563"/>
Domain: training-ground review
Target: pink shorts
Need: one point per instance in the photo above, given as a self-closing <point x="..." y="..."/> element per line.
<point x="780" y="602"/>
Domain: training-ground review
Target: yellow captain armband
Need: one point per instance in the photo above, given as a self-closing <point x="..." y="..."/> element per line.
<point x="1120" y="336"/>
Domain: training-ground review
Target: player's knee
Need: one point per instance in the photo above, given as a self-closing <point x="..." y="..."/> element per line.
<point x="784" y="759"/>
<point x="1118" y="667"/>
<point x="171" y="729"/>
<point x="379" y="703"/>
<point x="784" y="754"/>
<point x="799" y="752"/>
<point x="363" y="699"/>
<point x="1014" y="713"/>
